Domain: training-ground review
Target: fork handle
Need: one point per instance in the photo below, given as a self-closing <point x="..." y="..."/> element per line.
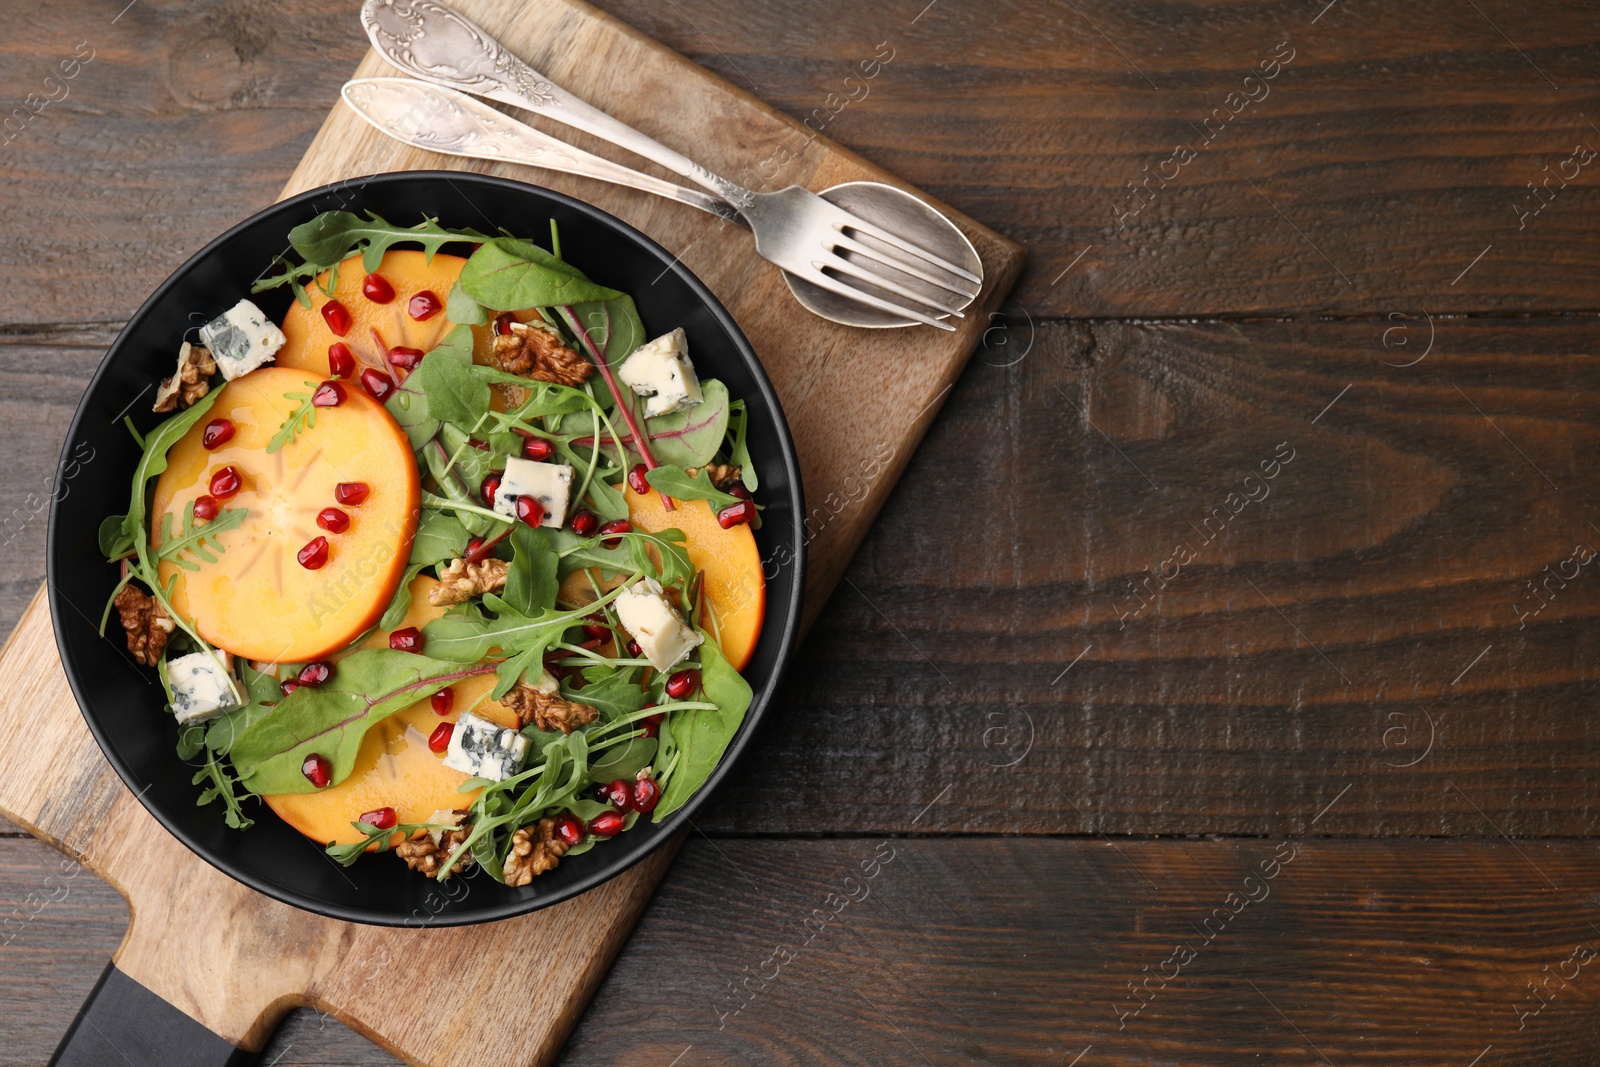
<point x="429" y="40"/>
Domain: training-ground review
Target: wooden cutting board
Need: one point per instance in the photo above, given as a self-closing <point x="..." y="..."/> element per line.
<point x="858" y="402"/>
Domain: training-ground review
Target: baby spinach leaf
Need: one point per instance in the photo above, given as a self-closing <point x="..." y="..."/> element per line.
<point x="690" y="438"/>
<point x="459" y="307"/>
<point x="453" y="393"/>
<point x="677" y="483"/>
<point x="396" y="611"/>
<point x="410" y="402"/>
<point x="531" y="580"/>
<point x="623" y="761"/>
<point x="701" y="737"/>
<point x="514" y="275"/>
<point x="331" y="719"/>
<point x="440" y="537"/>
<point x="114" y="540"/>
<point x="613" y="690"/>
<point x="612" y="324"/>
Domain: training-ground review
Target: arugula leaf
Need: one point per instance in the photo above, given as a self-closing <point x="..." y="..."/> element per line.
<point x="614" y="690"/>
<point x="453" y="393"/>
<point x="513" y="275"/>
<point x="738" y="442"/>
<point x="331" y="237"/>
<point x="331" y="719"/>
<point x="467" y="637"/>
<point x="194" y="538"/>
<point x="409" y="403"/>
<point x="303" y="417"/>
<point x="531" y="580"/>
<point x="676" y="483"/>
<point x="455" y="480"/>
<point x="154" y="463"/>
<point x="222" y="788"/>
<point x="114" y="540"/>
<point x="396" y="611"/>
<point x="701" y="737"/>
<point x="608" y="500"/>
<point x="439" y="537"/>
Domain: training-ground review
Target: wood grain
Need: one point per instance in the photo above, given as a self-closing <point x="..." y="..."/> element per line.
<point x="999" y="950"/>
<point x="1398" y="144"/>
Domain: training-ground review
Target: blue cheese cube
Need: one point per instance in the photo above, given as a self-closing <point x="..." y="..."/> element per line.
<point x="202" y="686"/>
<point x="664" y="638"/>
<point x="485" y="749"/>
<point x="660" y="371"/>
<point x="548" y="483"/>
<point x="241" y="339"/>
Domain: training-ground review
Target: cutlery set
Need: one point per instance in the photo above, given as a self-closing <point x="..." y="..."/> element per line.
<point x="863" y="254"/>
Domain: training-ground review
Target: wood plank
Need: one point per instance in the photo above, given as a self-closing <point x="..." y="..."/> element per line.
<point x="1400" y="152"/>
<point x="1396" y="540"/>
<point x="1010" y="951"/>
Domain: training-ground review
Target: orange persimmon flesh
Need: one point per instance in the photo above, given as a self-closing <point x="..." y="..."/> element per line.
<point x="735" y="588"/>
<point x="256" y="600"/>
<point x="395" y="768"/>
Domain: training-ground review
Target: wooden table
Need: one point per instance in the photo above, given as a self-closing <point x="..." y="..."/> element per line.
<point x="1219" y="681"/>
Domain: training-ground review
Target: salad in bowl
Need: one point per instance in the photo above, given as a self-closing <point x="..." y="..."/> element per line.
<point x="454" y="561"/>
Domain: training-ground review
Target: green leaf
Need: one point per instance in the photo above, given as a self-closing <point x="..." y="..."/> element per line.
<point x="455" y="479"/>
<point x="396" y="611"/>
<point x="154" y="460"/>
<point x="469" y="636"/>
<point x="410" y="404"/>
<point x="331" y="719"/>
<point x="115" y="541"/>
<point x="738" y="441"/>
<point x="532" y="579"/>
<point x="327" y="240"/>
<point x="613" y="325"/>
<point x="513" y="275"/>
<point x="623" y="761"/>
<point x="676" y="483"/>
<point x="454" y="394"/>
<point x="222" y="788"/>
<point x="701" y="737"/>
<point x="197" y="539"/>
<point x="614" y="690"/>
<point x="691" y="438"/>
<point x="303" y="417"/>
<point x="459" y="307"/>
<point x="440" y="537"/>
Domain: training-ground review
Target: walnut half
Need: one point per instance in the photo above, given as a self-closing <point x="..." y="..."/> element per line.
<point x="190" y="383"/>
<point x="146" y="623"/>
<point x="534" y="850"/>
<point x="548" y="711"/>
<point x="428" y="856"/>
<point x="460" y="581"/>
<point x="535" y="350"/>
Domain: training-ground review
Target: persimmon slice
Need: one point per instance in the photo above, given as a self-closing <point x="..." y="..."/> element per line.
<point x="254" y="598"/>
<point x="395" y="768"/>
<point x="735" y="587"/>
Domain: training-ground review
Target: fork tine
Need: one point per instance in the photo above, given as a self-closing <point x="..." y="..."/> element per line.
<point x="900" y="265"/>
<point x="846" y="267"/>
<point x="845" y="220"/>
<point x="834" y="285"/>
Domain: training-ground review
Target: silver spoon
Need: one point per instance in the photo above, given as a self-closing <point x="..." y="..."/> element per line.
<point x="862" y="253"/>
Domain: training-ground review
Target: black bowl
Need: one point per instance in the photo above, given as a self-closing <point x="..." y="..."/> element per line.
<point x="123" y="703"/>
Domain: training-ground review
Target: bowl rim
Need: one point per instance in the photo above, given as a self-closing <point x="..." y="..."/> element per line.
<point x="789" y="620"/>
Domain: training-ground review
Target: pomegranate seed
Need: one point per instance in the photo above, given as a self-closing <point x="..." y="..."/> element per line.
<point x="736" y="514"/>
<point x="473" y="544"/>
<point x="481" y="446"/>
<point x="205" y="508"/>
<point x="288" y="686"/>
<point x="634" y="651"/>
<point x="503" y="321"/>
<point x="382" y="818"/>
<point x="333" y="520"/>
<point x="317" y="770"/>
<point x="443" y="701"/>
<point x="585" y="522"/>
<point x="405" y="358"/>
<point x="537" y="448"/>
<point x="341" y="361"/>
<point x="337" y="316"/>
<point x="439" y="740"/>
<point x="683" y="683"/>
<point x="425" y="305"/>
<point x="351" y="493"/>
<point x="406" y="640"/>
<point x="530" y="510"/>
<point x="377" y="384"/>
<point x="651" y="725"/>
<point x="314" y="555"/>
<point x="618" y="795"/>
<point x="314" y="674"/>
<point x="637" y="479"/>
<point x="225" y="482"/>
<point x="376" y="288"/>
<point x="646" y="794"/>
<point x="217" y="433"/>
<point x="328" y="395"/>
<point x="606" y="824"/>
<point x="489" y="487"/>
<point x="595" y="626"/>
<point x="569" y="829"/>
<point x="616" y="526"/>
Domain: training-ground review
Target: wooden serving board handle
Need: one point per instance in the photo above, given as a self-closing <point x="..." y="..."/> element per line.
<point x="857" y="402"/>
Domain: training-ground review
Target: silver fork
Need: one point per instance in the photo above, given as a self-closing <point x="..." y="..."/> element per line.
<point x="794" y="228"/>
